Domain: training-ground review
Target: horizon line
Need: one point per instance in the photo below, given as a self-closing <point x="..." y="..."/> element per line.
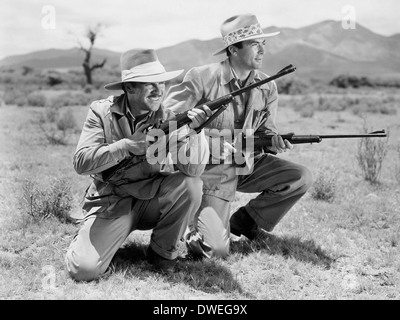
<point x="196" y="39"/>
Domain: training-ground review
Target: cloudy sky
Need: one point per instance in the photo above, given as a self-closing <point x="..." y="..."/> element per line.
<point x="31" y="25"/>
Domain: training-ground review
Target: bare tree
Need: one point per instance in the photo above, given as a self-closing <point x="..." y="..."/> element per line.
<point x="91" y="34"/>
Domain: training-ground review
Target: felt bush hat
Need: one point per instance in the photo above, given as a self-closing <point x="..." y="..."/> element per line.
<point x="240" y="28"/>
<point x="141" y="66"/>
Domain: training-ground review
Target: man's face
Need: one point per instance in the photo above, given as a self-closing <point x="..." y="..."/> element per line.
<point x="145" y="97"/>
<point x="250" y="56"/>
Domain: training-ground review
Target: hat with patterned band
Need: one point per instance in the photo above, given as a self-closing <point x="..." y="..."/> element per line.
<point x="240" y="28"/>
<point x="142" y="66"/>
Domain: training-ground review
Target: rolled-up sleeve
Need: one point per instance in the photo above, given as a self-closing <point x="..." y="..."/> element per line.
<point x="93" y="154"/>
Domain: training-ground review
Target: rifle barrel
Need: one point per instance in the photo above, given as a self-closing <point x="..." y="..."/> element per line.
<point x="380" y="133"/>
<point x="284" y="71"/>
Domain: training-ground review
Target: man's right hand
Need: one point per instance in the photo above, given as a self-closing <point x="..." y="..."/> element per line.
<point x="137" y="143"/>
<point x="199" y="116"/>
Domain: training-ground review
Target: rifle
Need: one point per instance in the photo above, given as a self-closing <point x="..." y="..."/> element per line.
<point x="217" y="105"/>
<point x="261" y="140"/>
<point x="221" y="103"/>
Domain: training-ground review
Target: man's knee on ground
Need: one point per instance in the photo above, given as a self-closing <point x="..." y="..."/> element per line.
<point x="82" y="268"/>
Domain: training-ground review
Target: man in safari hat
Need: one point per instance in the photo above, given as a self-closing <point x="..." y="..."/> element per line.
<point x="280" y="183"/>
<point x="145" y="196"/>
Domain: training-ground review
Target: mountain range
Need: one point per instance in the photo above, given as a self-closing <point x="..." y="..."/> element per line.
<point x="322" y="50"/>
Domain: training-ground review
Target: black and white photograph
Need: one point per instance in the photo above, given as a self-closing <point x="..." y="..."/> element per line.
<point x="201" y="156"/>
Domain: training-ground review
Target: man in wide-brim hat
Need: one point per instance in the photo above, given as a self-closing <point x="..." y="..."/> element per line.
<point x="280" y="183"/>
<point x="143" y="196"/>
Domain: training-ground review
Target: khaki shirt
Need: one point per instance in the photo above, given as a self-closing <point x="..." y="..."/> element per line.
<point x="206" y="83"/>
<point x="103" y="144"/>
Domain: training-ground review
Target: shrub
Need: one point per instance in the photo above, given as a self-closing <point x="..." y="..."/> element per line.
<point x="324" y="186"/>
<point x="21" y="101"/>
<point x="347" y="81"/>
<point x="57" y="124"/>
<point x="71" y="99"/>
<point x="387" y="82"/>
<point x="53" y="80"/>
<point x="304" y="102"/>
<point x="370" y="156"/>
<point x="26" y="70"/>
<point x="13" y="96"/>
<point x="66" y="121"/>
<point x="36" y="99"/>
<point x="44" y="202"/>
<point x="375" y="104"/>
<point x="307" y="112"/>
<point x="291" y="86"/>
<point x="88" y="88"/>
<point x="50" y="114"/>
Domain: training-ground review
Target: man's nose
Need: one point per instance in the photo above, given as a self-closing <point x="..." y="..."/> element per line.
<point x="261" y="48"/>
<point x="158" y="87"/>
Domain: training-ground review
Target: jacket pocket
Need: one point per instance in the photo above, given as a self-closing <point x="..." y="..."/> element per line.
<point x="212" y="177"/>
<point x="259" y="116"/>
<point x="97" y="198"/>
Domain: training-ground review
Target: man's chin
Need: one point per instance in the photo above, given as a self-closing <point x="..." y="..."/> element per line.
<point x="155" y="106"/>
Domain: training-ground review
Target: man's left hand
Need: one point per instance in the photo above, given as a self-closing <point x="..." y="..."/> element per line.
<point x="279" y="145"/>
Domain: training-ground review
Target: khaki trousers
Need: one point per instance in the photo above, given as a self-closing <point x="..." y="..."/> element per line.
<point x="281" y="184"/>
<point x="96" y="243"/>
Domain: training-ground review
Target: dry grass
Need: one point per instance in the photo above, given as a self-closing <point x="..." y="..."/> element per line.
<point x="347" y="248"/>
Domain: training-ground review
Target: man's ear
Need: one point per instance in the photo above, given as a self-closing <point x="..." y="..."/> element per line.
<point x="129" y="88"/>
<point x="232" y="50"/>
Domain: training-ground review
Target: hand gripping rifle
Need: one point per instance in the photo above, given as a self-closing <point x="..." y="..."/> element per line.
<point x="217" y="105"/>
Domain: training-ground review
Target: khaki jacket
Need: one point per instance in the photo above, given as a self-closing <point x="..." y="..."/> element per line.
<point x="103" y="144"/>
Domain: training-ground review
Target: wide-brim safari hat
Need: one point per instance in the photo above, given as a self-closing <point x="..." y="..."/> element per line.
<point x="240" y="28"/>
<point x="141" y="66"/>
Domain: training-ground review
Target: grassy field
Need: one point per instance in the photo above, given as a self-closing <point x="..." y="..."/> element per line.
<point x="346" y="248"/>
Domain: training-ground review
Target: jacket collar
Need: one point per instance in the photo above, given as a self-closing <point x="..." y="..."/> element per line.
<point x="119" y="105"/>
<point x="228" y="76"/>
